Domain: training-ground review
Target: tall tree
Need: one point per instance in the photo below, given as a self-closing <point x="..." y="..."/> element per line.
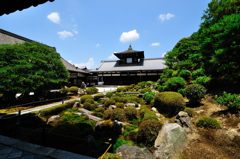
<point x="30" y="67"/>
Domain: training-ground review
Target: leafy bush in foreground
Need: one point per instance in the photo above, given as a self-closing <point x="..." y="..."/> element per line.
<point x="232" y="101"/>
<point x="195" y="93"/>
<point x="208" y="122"/>
<point x="169" y="103"/>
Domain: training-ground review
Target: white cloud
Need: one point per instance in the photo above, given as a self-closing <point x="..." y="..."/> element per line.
<point x="65" y="34"/>
<point x="54" y="17"/>
<point x="98" y="45"/>
<point x="129" y="36"/>
<point x="90" y="64"/>
<point x="156" y="44"/>
<point x="165" y="17"/>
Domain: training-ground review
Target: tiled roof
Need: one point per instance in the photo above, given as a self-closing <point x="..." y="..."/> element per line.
<point x="71" y="67"/>
<point x="9" y="6"/>
<point x="147" y="64"/>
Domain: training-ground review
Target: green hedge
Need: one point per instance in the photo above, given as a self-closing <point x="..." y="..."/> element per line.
<point x="56" y="109"/>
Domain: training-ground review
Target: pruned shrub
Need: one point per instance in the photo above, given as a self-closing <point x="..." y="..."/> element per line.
<point x="174" y="84"/>
<point x="85" y="97"/>
<point x="99" y="112"/>
<point x="120" y="105"/>
<point x="146" y="113"/>
<point x="122" y="89"/>
<point x="232" y="101"/>
<point x="98" y="96"/>
<point x="109" y="94"/>
<point x="195" y="93"/>
<point x="197" y="73"/>
<point x="91" y="90"/>
<point x="148" y="132"/>
<point x="109" y="102"/>
<point x="73" y="89"/>
<point x="144" y="90"/>
<point x="115" y="114"/>
<point x="89" y="105"/>
<point x="208" y="122"/>
<point x="148" y="97"/>
<point x="186" y="74"/>
<point x="202" y="80"/>
<point x="130" y="112"/>
<point x="169" y="103"/>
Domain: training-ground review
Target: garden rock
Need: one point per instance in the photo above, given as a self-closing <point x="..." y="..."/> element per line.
<point x="53" y="119"/>
<point x="134" y="152"/>
<point x="232" y="133"/>
<point x="183" y="119"/>
<point x="170" y="141"/>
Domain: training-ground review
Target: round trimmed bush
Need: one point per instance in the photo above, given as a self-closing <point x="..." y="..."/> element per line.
<point x="148" y="132"/>
<point x="73" y="89"/>
<point x="118" y="114"/>
<point x="131" y="112"/>
<point x="120" y="105"/>
<point x="109" y="102"/>
<point x="169" y="103"/>
<point x="89" y="106"/>
<point x="195" y="93"/>
<point x="91" y="90"/>
<point x="108" y="114"/>
<point x="174" y="84"/>
<point x="85" y="97"/>
<point x="98" y="96"/>
<point x="208" y="122"/>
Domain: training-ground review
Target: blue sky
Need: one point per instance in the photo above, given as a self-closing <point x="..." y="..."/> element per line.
<point x="85" y="32"/>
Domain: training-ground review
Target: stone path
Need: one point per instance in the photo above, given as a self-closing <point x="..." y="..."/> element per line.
<point x="88" y="113"/>
<point x="38" y="108"/>
<point x="15" y="149"/>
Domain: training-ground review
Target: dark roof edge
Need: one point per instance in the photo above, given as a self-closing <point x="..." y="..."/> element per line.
<point x="158" y="58"/>
<point x="16" y="36"/>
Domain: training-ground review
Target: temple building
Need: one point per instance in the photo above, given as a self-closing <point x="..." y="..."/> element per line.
<point x="131" y="67"/>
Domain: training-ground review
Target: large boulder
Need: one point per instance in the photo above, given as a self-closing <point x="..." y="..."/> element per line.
<point x="170" y="141"/>
<point x="134" y="152"/>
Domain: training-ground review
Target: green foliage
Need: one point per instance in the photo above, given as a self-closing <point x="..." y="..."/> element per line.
<point x="122" y="89"/>
<point x="130" y="132"/>
<point x="202" y="80"/>
<point x="98" y="96"/>
<point x="208" y="122"/>
<point x="56" y="109"/>
<point x="131" y="112"/>
<point x="198" y="73"/>
<point x="30" y="67"/>
<point x="232" y="101"/>
<point x="99" y="112"/>
<point x="148" y="97"/>
<point x="91" y="90"/>
<point x="146" y="114"/>
<point x="115" y="114"/>
<point x="186" y="74"/>
<point x="109" y="102"/>
<point x="73" y="89"/>
<point x="121" y="142"/>
<point x="195" y="93"/>
<point x="85" y="97"/>
<point x="109" y="94"/>
<point x="89" y="105"/>
<point x="169" y="103"/>
<point x="174" y="84"/>
<point x="120" y="105"/>
<point x="148" y="132"/>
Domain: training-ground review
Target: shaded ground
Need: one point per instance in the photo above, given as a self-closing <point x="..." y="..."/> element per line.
<point x="209" y="143"/>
